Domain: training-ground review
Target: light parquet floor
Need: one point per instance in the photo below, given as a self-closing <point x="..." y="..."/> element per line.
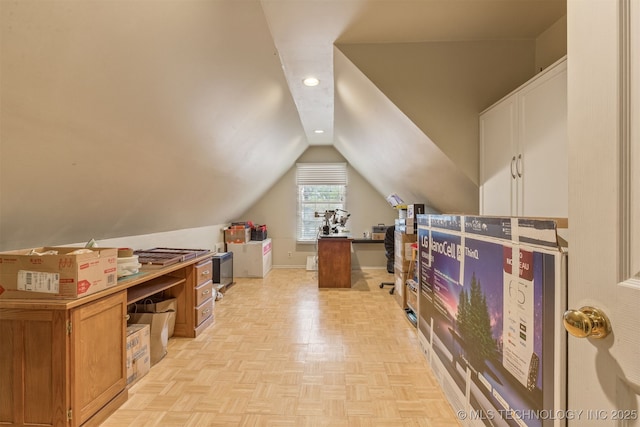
<point x="284" y="353"/>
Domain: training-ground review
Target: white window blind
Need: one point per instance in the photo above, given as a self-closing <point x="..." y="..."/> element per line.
<point x="321" y="174"/>
<point x="321" y="187"/>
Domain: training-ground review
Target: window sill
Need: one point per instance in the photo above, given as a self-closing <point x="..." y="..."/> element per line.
<point x="306" y="242"/>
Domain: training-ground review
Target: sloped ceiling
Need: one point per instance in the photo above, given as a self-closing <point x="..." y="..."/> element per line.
<point x="369" y="127"/>
<point x="125" y="118"/>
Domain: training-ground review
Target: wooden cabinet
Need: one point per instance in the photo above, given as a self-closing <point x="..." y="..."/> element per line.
<point x="59" y="367"/>
<point x="63" y="362"/>
<point x="523" y="149"/>
<point x="334" y="262"/>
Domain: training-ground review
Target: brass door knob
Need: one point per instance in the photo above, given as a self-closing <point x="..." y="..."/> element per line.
<point x="587" y="322"/>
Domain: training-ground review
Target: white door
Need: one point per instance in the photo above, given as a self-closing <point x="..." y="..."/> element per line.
<point x="604" y="208"/>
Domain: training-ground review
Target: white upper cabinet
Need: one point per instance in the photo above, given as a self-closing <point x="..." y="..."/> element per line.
<point x="523" y="149"/>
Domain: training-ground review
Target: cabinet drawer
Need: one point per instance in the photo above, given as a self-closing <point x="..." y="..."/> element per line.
<point x="204" y="310"/>
<point x="204" y="272"/>
<point x="203" y="292"/>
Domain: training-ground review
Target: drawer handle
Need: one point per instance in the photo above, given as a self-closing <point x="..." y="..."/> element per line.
<point x="204" y="273"/>
<point x="206" y="311"/>
<point x="206" y="292"/>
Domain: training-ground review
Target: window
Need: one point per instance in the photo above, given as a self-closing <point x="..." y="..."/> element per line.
<point x="321" y="187"/>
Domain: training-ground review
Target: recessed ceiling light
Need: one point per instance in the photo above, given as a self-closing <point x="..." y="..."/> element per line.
<point x="318" y="131"/>
<point x="311" y="81"/>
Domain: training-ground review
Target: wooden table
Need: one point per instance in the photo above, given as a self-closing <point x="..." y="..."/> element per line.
<point x="63" y="362"/>
<point x="334" y="261"/>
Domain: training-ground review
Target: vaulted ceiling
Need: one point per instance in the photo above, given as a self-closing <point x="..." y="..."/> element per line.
<point x="116" y="116"/>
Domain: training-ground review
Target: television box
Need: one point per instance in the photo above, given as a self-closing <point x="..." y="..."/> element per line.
<point x="62" y="276"/>
<point x="491" y="298"/>
<point x="138" y="358"/>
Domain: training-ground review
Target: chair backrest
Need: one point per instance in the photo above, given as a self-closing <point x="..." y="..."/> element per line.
<point x="389" y="246"/>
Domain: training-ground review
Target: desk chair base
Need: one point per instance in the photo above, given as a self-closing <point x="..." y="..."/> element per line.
<point x="393" y="286"/>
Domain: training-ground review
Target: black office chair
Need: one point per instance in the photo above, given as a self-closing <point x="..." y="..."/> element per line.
<point x="389" y="246"/>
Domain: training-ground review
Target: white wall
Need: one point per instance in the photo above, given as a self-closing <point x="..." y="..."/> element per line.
<point x="278" y="210"/>
<point x="551" y="45"/>
<point x="210" y="237"/>
<point x="124" y="118"/>
<point x="443" y="86"/>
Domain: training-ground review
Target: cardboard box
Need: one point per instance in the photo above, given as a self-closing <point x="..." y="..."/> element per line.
<point x="61" y="276"/>
<point x="237" y="235"/>
<point x="412" y="213"/>
<point x="400" y="293"/>
<point x="401" y="265"/>
<point x="158" y="332"/>
<point x="378" y="231"/>
<point x="138" y="356"/>
<point x="411" y="290"/>
<point x="414" y="210"/>
<point x="253" y="259"/>
<point x="400" y="278"/>
<point x="403" y="252"/>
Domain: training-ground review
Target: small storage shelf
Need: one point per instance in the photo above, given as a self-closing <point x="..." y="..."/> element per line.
<point x="151" y="287"/>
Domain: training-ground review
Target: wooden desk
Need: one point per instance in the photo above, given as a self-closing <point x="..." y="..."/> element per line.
<point x="63" y="362"/>
<point x="334" y="262"/>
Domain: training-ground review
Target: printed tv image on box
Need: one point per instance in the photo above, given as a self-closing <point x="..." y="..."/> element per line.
<point x="486" y="306"/>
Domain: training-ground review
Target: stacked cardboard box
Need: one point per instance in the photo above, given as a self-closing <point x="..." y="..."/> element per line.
<point x="402" y="262"/>
<point x="138" y="357"/>
<point x="411" y="220"/>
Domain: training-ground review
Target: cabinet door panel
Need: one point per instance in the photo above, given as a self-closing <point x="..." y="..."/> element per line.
<point x="543" y="146"/>
<point x="334" y="263"/>
<point x="8" y="371"/>
<point x="497" y="163"/>
<point x="98" y="356"/>
<point x="32" y="361"/>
